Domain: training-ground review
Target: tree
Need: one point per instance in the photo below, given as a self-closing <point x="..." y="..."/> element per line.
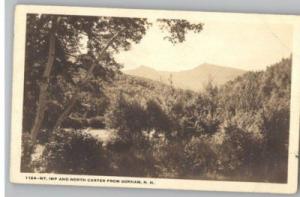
<point x="157" y="119"/>
<point x="61" y="37"/>
<point x="59" y="67"/>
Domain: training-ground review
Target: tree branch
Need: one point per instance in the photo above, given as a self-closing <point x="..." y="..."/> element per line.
<point x="75" y="96"/>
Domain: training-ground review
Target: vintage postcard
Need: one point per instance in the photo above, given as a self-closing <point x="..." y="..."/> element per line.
<point x="155" y="99"/>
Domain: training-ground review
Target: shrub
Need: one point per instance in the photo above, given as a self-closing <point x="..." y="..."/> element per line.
<point x="74" y="152"/>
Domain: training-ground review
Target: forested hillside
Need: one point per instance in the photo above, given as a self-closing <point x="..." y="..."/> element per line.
<point x="236" y="132"/>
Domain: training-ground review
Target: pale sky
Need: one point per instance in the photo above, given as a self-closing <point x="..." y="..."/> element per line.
<point x="239" y="45"/>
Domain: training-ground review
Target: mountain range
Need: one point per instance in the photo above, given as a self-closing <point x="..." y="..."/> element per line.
<point x="193" y="79"/>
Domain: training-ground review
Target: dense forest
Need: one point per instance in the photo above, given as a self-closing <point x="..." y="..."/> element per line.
<point x="236" y="132"/>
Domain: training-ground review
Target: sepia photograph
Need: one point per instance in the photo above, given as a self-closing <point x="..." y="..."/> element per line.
<point x="155" y="99"/>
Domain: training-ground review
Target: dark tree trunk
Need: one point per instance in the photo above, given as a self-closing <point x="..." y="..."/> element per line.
<point x="43" y="93"/>
<point x="42" y="101"/>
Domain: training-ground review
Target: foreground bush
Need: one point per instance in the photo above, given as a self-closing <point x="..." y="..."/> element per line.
<point x="74" y="152"/>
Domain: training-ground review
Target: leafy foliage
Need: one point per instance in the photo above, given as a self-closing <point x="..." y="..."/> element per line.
<point x="73" y="152"/>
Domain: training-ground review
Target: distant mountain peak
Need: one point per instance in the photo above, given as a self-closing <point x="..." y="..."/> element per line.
<point x="192" y="79"/>
<point x="142" y="67"/>
<point x="211" y="66"/>
<point x="208" y="65"/>
<point x="205" y="65"/>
